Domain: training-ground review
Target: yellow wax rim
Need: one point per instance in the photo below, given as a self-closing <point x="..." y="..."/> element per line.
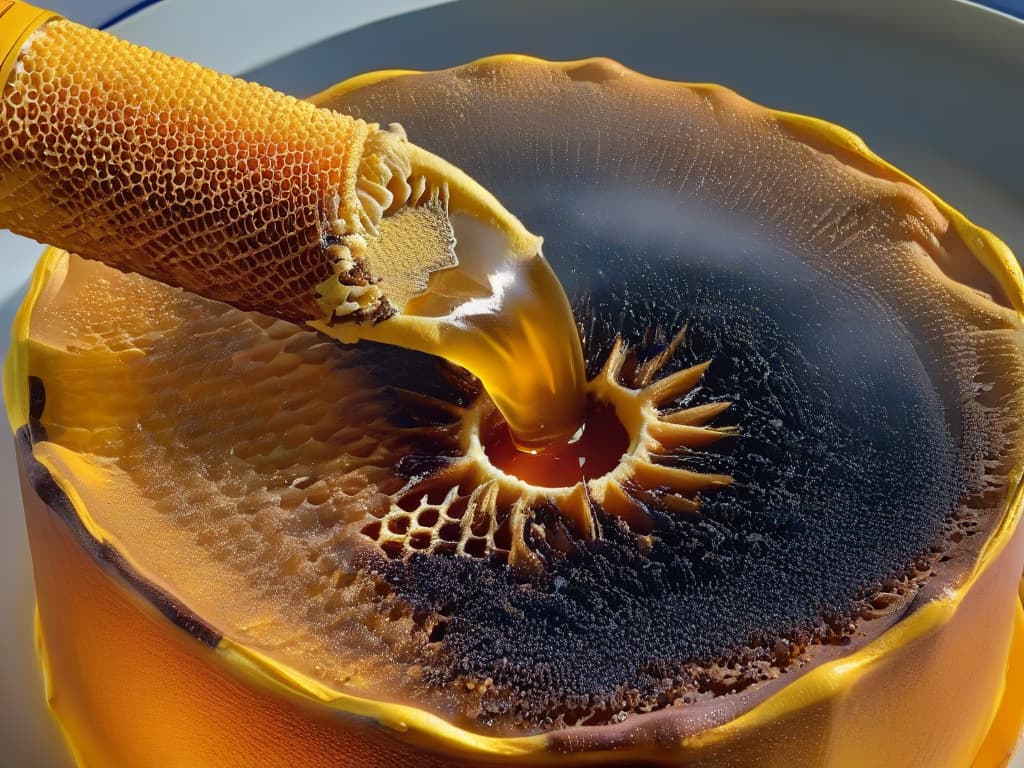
<point x="815" y="687"/>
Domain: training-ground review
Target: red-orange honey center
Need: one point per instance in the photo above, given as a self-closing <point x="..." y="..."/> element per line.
<point x="595" y="452"/>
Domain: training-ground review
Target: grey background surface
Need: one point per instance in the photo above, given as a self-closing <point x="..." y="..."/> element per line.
<point x="934" y="86"/>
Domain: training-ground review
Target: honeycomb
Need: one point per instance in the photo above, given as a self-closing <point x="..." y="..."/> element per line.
<point x="253" y="198"/>
<point x="203" y="181"/>
<point x="237" y="444"/>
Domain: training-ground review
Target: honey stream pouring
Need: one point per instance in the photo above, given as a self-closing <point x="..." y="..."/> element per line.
<point x="254" y="198"/>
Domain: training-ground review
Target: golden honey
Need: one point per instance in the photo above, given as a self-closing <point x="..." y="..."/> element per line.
<point x="506" y="319"/>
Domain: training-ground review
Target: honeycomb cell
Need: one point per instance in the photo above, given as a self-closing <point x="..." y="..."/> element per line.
<point x="271" y="197"/>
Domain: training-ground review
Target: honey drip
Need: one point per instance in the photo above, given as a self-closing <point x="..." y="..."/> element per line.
<point x="505" y="319"/>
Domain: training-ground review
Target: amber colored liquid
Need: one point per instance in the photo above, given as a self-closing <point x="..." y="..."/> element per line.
<point x="596" y="451"/>
<point x="507" y="320"/>
<point x="526" y="352"/>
